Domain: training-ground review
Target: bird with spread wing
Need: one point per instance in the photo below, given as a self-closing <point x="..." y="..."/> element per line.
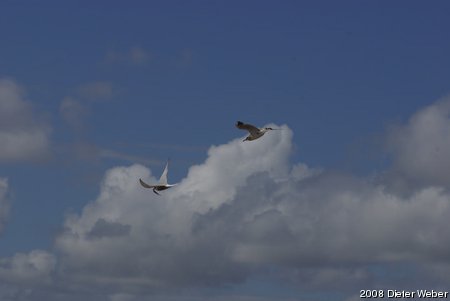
<point x="162" y="185"/>
<point x="254" y="132"/>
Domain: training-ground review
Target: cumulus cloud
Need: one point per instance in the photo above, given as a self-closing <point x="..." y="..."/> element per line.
<point x="23" y="136"/>
<point x="30" y="269"/>
<point x="159" y="241"/>
<point x="103" y="228"/>
<point x="247" y="211"/>
<point x="421" y="146"/>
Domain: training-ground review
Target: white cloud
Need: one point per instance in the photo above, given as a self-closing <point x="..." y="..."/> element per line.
<point x="159" y="237"/>
<point x="32" y="268"/>
<point x="422" y="146"/>
<point x="22" y="136"/>
<point x="232" y="216"/>
<point x="228" y="166"/>
<point x="246" y="210"/>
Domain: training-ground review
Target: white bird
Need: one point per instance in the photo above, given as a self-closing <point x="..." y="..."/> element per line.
<point x="254" y="132"/>
<point x="162" y="185"/>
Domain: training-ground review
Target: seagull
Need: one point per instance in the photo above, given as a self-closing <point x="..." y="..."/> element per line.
<point x="255" y="133"/>
<point x="162" y="185"/>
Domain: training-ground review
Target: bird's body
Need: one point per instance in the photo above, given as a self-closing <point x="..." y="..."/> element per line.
<point x="254" y="132"/>
<point x="162" y="185"/>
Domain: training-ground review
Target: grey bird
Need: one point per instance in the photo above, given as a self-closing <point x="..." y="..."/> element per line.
<point x="254" y="132"/>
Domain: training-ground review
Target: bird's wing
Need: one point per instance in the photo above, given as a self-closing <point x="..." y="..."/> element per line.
<point x="245" y="126"/>
<point x="163" y="179"/>
<point x="146" y="185"/>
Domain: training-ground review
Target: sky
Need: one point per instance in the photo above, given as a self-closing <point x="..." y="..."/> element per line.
<point x="353" y="193"/>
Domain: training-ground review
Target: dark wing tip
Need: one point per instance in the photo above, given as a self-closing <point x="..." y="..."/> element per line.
<point x="239" y="124"/>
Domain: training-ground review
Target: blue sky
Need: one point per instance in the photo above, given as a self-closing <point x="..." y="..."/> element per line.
<point x="94" y="91"/>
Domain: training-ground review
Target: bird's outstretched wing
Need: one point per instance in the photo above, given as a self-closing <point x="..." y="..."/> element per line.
<point x="245" y="126"/>
<point x="163" y="179"/>
<point x="146" y="185"/>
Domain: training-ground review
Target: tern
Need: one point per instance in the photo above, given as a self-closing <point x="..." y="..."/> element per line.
<point x="254" y="132"/>
<point x="162" y="185"/>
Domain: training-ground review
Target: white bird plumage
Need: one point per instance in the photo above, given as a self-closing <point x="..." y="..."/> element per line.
<point x="162" y="184"/>
<point x="254" y="132"/>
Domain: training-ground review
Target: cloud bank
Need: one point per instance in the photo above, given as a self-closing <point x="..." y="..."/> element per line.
<point x="246" y="211"/>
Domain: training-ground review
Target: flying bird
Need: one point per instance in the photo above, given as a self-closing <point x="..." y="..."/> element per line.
<point x="254" y="132"/>
<point x="162" y="185"/>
